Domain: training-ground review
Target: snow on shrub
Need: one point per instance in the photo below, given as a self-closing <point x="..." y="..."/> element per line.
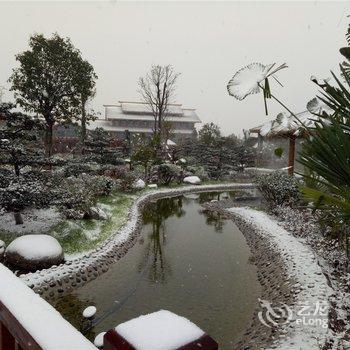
<point x="278" y="188"/>
<point x="164" y="174"/>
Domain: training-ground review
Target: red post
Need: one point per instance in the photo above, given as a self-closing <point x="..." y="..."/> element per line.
<point x="7" y="341"/>
<point x="114" y="341"/>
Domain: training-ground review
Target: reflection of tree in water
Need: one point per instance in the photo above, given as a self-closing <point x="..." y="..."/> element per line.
<point x="208" y="196"/>
<point x="155" y="215"/>
<point x="215" y="219"/>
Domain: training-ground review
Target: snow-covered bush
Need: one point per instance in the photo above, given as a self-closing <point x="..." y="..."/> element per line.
<point x="76" y="195"/>
<point x="5" y="177"/>
<point x="77" y="167"/>
<point x="99" y="185"/>
<point x="124" y="178"/>
<point x="164" y="174"/>
<point x="198" y="171"/>
<point x="21" y="192"/>
<point x="278" y="188"/>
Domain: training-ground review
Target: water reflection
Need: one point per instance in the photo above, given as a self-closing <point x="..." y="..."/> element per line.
<point x="179" y="263"/>
<point x="216" y="220"/>
<point x="155" y="215"/>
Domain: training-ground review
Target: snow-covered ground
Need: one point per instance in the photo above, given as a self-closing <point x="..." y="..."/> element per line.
<point x="34" y="221"/>
<point x="310" y="284"/>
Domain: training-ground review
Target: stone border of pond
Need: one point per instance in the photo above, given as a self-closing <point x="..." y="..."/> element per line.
<point x="62" y="279"/>
<point x="289" y="274"/>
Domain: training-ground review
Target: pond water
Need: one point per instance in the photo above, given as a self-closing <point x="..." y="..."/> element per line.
<point x="194" y="264"/>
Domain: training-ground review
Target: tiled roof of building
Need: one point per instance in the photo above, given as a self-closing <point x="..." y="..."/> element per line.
<point x="141" y="111"/>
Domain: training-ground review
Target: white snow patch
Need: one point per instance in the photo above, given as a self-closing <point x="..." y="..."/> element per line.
<point x="303" y="268"/>
<point x="193" y="180"/>
<point x="48" y="328"/>
<point x="33" y="247"/>
<point x="89" y="311"/>
<point x="161" y="330"/>
<point x="92" y="234"/>
<point x="34" y="221"/>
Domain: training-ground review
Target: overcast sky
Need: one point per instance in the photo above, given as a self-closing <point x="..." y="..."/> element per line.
<point x="205" y="41"/>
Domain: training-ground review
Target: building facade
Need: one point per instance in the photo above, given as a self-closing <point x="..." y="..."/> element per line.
<point x="136" y="117"/>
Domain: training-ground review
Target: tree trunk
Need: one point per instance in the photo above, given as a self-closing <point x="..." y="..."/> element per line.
<point x="83" y="124"/>
<point x="18" y="217"/>
<point x="347" y="249"/>
<point x="17" y="171"/>
<point x="49" y="139"/>
<point x="260" y="147"/>
<point x="291" y="158"/>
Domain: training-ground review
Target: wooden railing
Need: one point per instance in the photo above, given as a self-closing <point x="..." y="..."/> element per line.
<point x="12" y="334"/>
<point x="28" y="322"/>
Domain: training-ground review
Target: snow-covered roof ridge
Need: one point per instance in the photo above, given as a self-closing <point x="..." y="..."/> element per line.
<point x="284" y="124"/>
<point x="302" y="267"/>
<point x="45" y="324"/>
<point x="58" y="280"/>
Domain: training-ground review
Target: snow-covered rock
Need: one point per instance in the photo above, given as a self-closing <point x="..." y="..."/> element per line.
<point x="161" y="330"/>
<point x="170" y="143"/>
<point x="96" y="213"/>
<point x="139" y="184"/>
<point x="193" y="180"/>
<point x="89" y="312"/>
<point x="152" y="186"/>
<point x="99" y="339"/>
<point x="34" y="252"/>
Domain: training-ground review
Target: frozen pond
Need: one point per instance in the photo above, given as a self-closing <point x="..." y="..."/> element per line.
<point x="194" y="264"/>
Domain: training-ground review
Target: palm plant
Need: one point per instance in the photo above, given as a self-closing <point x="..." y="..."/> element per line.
<point x="327" y="154"/>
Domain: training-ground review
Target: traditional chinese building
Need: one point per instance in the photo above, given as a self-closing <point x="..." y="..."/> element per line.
<point x="137" y="117"/>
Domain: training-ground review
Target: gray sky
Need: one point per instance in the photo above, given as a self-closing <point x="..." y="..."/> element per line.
<point x="205" y="41"/>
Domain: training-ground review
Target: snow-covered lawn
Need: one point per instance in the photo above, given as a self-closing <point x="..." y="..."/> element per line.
<point x="77" y="237"/>
<point x="34" y="221"/>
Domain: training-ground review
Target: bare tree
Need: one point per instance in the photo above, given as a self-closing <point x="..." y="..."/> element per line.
<point x="157" y="89"/>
